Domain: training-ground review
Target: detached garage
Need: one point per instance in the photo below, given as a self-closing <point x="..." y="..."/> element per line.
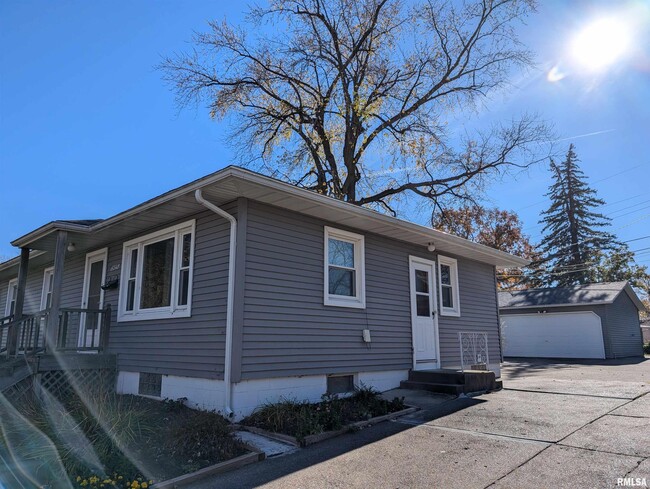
<point x="585" y="321"/>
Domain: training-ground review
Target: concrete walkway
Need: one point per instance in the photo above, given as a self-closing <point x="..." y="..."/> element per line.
<point x="554" y="425"/>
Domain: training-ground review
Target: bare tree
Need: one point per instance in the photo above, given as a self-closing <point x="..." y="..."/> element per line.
<point x="349" y="97"/>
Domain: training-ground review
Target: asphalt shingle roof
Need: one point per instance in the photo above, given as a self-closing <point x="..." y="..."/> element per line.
<point x="82" y="222"/>
<point x="580" y="294"/>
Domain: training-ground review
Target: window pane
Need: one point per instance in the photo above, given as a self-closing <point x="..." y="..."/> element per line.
<point x="341" y="282"/>
<point x="130" y="295"/>
<point x="341" y="253"/>
<point x="157" y="274"/>
<point x="13" y="292"/>
<point x="340" y="384"/>
<point x="421" y="281"/>
<point x="422" y="303"/>
<point x="183" y="287"/>
<point x="95" y="285"/>
<point x="150" y="384"/>
<point x="447" y="297"/>
<point x="134" y="263"/>
<point x="48" y="293"/>
<point x="187" y="247"/>
<point x="445" y="274"/>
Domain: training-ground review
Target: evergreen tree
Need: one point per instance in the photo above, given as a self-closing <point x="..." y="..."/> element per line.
<point x="573" y="236"/>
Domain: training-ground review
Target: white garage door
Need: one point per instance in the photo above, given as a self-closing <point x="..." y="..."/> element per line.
<point x="552" y="335"/>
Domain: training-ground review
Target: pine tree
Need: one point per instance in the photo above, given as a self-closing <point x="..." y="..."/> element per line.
<point x="573" y="235"/>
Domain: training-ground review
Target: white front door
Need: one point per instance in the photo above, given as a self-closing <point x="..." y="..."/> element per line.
<point x="92" y="298"/>
<point x="424" y="320"/>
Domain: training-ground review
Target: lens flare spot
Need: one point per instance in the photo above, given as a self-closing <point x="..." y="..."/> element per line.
<point x="555" y="74"/>
<point x="601" y="43"/>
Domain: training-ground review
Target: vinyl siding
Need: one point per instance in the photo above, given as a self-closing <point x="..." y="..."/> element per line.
<point x="283" y="327"/>
<point x="479" y="312"/>
<point x="4" y="285"/>
<point x="191" y="346"/>
<point x="623" y="328"/>
<point x="288" y="330"/>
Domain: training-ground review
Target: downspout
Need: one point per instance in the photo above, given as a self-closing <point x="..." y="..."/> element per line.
<point x="231" y="296"/>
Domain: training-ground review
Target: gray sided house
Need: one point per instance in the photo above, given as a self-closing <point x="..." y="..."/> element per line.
<point x="237" y="289"/>
<point x="586" y="321"/>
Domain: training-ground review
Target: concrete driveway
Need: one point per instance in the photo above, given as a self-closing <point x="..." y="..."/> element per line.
<point x="555" y="424"/>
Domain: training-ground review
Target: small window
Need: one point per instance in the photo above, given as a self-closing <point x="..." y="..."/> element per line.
<point x="344" y="269"/>
<point x="150" y="384"/>
<point x="12" y="293"/>
<point x="48" y="283"/>
<point x="340" y="384"/>
<point x="448" y="281"/>
<point x="157" y="275"/>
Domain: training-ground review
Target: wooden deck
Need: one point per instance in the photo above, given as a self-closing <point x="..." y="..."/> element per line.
<point x="74" y="361"/>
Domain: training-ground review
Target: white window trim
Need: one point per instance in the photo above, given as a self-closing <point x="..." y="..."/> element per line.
<point x="173" y="310"/>
<point x="46" y="272"/>
<point x="12" y="282"/>
<point x="358" y="301"/>
<point x="452" y="263"/>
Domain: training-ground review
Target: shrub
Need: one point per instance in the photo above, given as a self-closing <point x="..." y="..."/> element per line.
<point x="301" y="418"/>
<point x="198" y="439"/>
<point x="646" y="348"/>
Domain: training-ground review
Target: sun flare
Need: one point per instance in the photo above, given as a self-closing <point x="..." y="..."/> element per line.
<point x="600" y="44"/>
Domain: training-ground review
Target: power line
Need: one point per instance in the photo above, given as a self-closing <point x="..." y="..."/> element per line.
<point x="580" y="267"/>
<point x="609" y="216"/>
<point x="597" y="181"/>
<point x="637" y="239"/>
<point x="617" y="174"/>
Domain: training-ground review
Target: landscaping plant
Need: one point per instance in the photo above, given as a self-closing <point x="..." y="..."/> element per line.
<point x="107" y="440"/>
<point x="301" y="418"/>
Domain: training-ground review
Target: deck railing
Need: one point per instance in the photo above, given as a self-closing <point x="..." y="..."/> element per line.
<point x="27" y="334"/>
<point x="84" y="329"/>
<point x="79" y="330"/>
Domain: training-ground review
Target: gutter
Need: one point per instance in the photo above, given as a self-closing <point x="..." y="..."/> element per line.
<point x="198" y="195"/>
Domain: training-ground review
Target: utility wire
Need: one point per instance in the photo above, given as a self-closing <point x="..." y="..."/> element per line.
<point x="597" y="181"/>
<point x="610" y="216"/>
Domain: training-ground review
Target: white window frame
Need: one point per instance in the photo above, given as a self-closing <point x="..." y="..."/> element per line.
<point x="48" y="272"/>
<point x="174" y="310"/>
<point x="452" y="263"/>
<point x="12" y="282"/>
<point x="359" y="300"/>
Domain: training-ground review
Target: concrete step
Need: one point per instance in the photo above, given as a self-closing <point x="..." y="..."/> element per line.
<point x="437" y="376"/>
<point x="455" y="389"/>
<point x="453" y="381"/>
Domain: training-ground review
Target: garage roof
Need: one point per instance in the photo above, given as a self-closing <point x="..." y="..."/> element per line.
<point x="578" y="295"/>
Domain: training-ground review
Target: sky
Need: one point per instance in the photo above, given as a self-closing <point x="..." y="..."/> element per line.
<point x="88" y="128"/>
